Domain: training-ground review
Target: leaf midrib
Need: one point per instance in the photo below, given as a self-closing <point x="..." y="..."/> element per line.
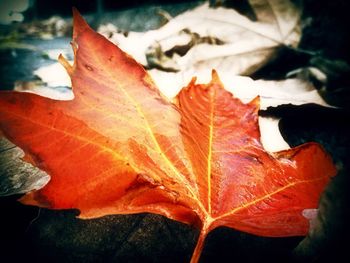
<point x="210" y="147"/>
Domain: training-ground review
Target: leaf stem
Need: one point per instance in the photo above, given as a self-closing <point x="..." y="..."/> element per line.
<point x="199" y="247"/>
<point x="200" y="242"/>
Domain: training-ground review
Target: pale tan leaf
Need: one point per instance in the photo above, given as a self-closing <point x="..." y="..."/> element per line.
<point x="221" y="38"/>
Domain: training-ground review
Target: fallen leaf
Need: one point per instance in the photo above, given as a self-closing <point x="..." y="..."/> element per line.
<point x="120" y="147"/>
<point x="220" y="38"/>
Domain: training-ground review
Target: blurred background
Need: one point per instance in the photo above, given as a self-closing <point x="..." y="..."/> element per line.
<point x="34" y="32"/>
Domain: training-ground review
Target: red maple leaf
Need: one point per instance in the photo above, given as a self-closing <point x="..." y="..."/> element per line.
<point x="120" y="147"/>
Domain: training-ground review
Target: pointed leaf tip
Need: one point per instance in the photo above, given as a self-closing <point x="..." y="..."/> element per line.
<point x="215" y="79"/>
<point x="192" y="82"/>
<point x="63" y="61"/>
<point x="256" y="102"/>
<point x="79" y="23"/>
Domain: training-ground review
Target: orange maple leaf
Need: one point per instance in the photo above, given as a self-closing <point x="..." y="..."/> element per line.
<point x="120" y="147"/>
